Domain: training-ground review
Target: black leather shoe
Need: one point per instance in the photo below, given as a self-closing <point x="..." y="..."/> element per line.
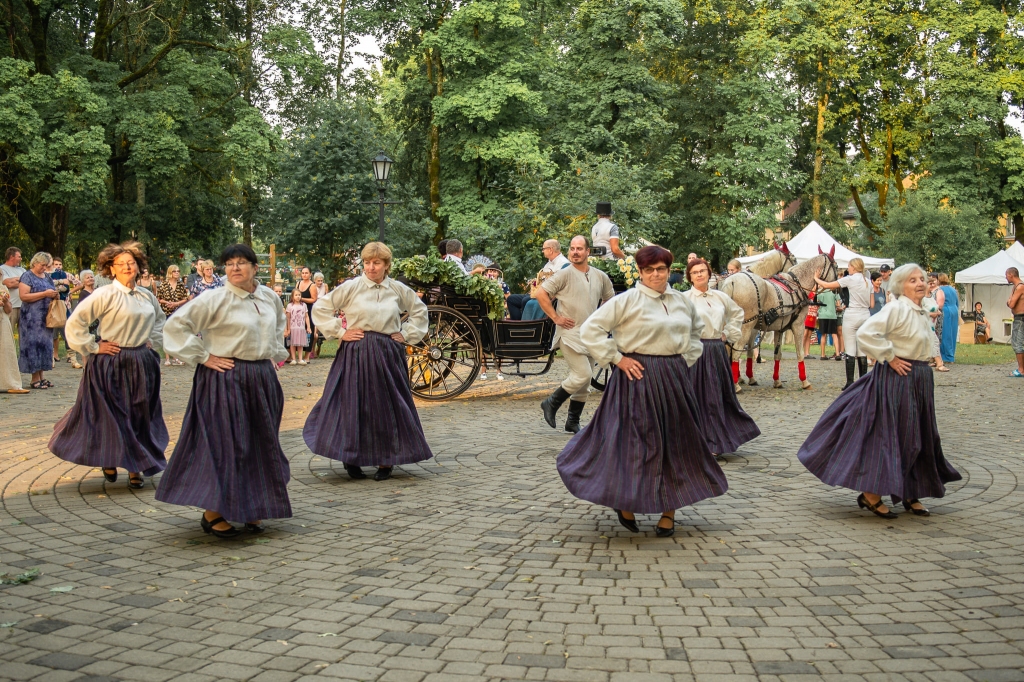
<point x="136" y="481"/>
<point x="254" y="528"/>
<point x="862" y="502"/>
<point x="851" y="364"/>
<point x="666" y="532"/>
<point x="111" y="478"/>
<point x="208" y="527"/>
<point x="552" y="403"/>
<point x="383" y="474"/>
<point x="908" y="505"/>
<point x="354" y="472"/>
<point x="628" y="524"/>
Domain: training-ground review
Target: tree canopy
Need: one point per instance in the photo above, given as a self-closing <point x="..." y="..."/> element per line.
<point x="191" y="124"/>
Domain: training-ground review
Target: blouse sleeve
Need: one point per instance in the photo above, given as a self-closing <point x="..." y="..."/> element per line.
<point x="180" y="332"/>
<point x="322" y="312"/>
<point x="733" y="320"/>
<point x="596" y="332"/>
<point x="156" y="337"/>
<point x="695" y="348"/>
<point x="415" y="327"/>
<point x="76" y="330"/>
<point x="872" y="337"/>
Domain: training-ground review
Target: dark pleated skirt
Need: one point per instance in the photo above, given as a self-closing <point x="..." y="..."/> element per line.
<point x="643" y="451"/>
<point x="228" y="457"/>
<point x="117" y="420"/>
<point x="366" y="415"/>
<point x="880" y="437"/>
<point x="722" y="421"/>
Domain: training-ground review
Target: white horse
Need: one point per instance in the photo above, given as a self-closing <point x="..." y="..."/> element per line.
<point x="775" y="304"/>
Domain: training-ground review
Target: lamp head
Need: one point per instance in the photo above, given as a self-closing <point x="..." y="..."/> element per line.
<point x="381" y="167"/>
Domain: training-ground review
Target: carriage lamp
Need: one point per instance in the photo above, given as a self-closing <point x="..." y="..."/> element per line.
<point x="381" y="172"/>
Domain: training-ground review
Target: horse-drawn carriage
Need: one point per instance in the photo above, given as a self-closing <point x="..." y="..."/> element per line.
<point x="462" y="336"/>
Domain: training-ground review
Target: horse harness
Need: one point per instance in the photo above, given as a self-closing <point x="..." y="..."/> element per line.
<point x="766" y="318"/>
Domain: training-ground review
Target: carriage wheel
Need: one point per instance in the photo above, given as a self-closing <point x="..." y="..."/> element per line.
<point x="447" y="360"/>
<point x="600" y="378"/>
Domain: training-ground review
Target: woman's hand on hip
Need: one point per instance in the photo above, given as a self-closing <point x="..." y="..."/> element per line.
<point x="353" y="335"/>
<point x="108" y="348"/>
<point x="900" y="366"/>
<point x="397" y="336"/>
<point x="632" y="368"/>
<point x="219" y="364"/>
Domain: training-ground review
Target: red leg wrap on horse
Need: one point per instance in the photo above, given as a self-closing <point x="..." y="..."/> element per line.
<point x="775" y="375"/>
<point x="750" y="367"/>
<point x="803" y="370"/>
<point x="735" y="371"/>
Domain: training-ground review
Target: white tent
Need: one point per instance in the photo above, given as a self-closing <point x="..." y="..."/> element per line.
<point x="985" y="283"/>
<point x="805" y="246"/>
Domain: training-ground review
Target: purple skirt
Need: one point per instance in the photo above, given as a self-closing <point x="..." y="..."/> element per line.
<point x="117" y="420"/>
<point x="643" y="451"/>
<point x="228" y="457"/>
<point x="366" y="415"/>
<point x="722" y="421"/>
<point x="880" y="437"/>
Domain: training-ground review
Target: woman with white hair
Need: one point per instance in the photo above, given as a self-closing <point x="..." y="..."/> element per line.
<point x="855" y="315"/>
<point x="366" y="416"/>
<point x="35" y="340"/>
<point x="880" y="436"/>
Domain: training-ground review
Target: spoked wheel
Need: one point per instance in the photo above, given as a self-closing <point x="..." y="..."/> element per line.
<point x="600" y="378"/>
<point x="447" y="360"/>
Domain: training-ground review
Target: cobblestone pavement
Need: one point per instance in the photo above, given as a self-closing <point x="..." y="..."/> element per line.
<point x="478" y="565"/>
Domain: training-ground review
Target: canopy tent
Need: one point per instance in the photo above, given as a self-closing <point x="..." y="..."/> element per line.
<point x="985" y="283"/>
<point x="806" y="244"/>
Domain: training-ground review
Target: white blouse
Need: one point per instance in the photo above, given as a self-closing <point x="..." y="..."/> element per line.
<point x="372" y="307"/>
<point x="719" y="313"/>
<point x="234" y="324"/>
<point x="128" y="317"/>
<point x="899" y="329"/>
<point x="643" y="321"/>
<point x="860" y="290"/>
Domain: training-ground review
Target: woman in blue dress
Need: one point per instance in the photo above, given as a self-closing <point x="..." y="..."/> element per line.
<point x="950" y="319"/>
<point x="35" y="341"/>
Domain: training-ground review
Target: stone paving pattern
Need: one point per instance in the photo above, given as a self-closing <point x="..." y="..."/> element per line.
<point x="478" y="565"/>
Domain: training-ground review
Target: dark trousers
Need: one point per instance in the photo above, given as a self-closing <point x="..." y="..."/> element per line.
<point x="516" y="303"/>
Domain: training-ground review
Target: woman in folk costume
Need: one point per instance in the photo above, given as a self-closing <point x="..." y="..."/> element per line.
<point x="880" y="436"/>
<point x="117" y="419"/>
<point x="228" y="459"/>
<point x="366" y="416"/>
<point x="643" y="451"/>
<point x="722" y="421"/>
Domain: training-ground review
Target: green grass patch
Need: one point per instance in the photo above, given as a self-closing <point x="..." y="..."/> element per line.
<point x="966" y="353"/>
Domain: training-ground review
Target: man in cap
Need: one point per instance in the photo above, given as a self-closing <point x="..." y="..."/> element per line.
<point x="606" y="233"/>
<point x="580" y="289"/>
<point x="886" y="272"/>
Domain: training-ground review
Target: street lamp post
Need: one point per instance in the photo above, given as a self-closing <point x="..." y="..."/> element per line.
<point x="381" y="172"/>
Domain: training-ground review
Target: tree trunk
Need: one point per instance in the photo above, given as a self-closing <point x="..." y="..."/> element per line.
<point x="436" y="78"/>
<point x="37" y="33"/>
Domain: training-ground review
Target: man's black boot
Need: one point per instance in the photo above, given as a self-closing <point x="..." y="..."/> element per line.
<point x="572" y="422"/>
<point x="850" y="364"/>
<point x="552" y="403"/>
<point x="862" y="366"/>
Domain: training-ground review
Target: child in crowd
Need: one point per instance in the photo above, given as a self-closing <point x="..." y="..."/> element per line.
<point x="298" y="324"/>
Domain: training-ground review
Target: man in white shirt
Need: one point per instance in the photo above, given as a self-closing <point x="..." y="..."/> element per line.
<point x="12" y="272"/>
<point x="552" y="250"/>
<point x="606" y="233"/>
<point x="454" y="249"/>
<point x="580" y="289"/>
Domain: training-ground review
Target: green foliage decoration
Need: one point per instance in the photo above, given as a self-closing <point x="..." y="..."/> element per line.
<point x="430" y="270"/>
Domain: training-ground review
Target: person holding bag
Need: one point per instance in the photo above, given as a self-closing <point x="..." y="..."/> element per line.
<point x="35" y="338"/>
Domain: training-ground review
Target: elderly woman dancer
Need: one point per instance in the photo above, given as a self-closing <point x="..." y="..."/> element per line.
<point x="117" y="420"/>
<point x="366" y="416"/>
<point x="856" y="314"/>
<point x="722" y="421"/>
<point x="228" y="459"/>
<point x="643" y="451"/>
<point x="880" y="436"/>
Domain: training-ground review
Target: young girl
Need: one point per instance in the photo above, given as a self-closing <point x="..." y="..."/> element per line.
<point x="298" y="323"/>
